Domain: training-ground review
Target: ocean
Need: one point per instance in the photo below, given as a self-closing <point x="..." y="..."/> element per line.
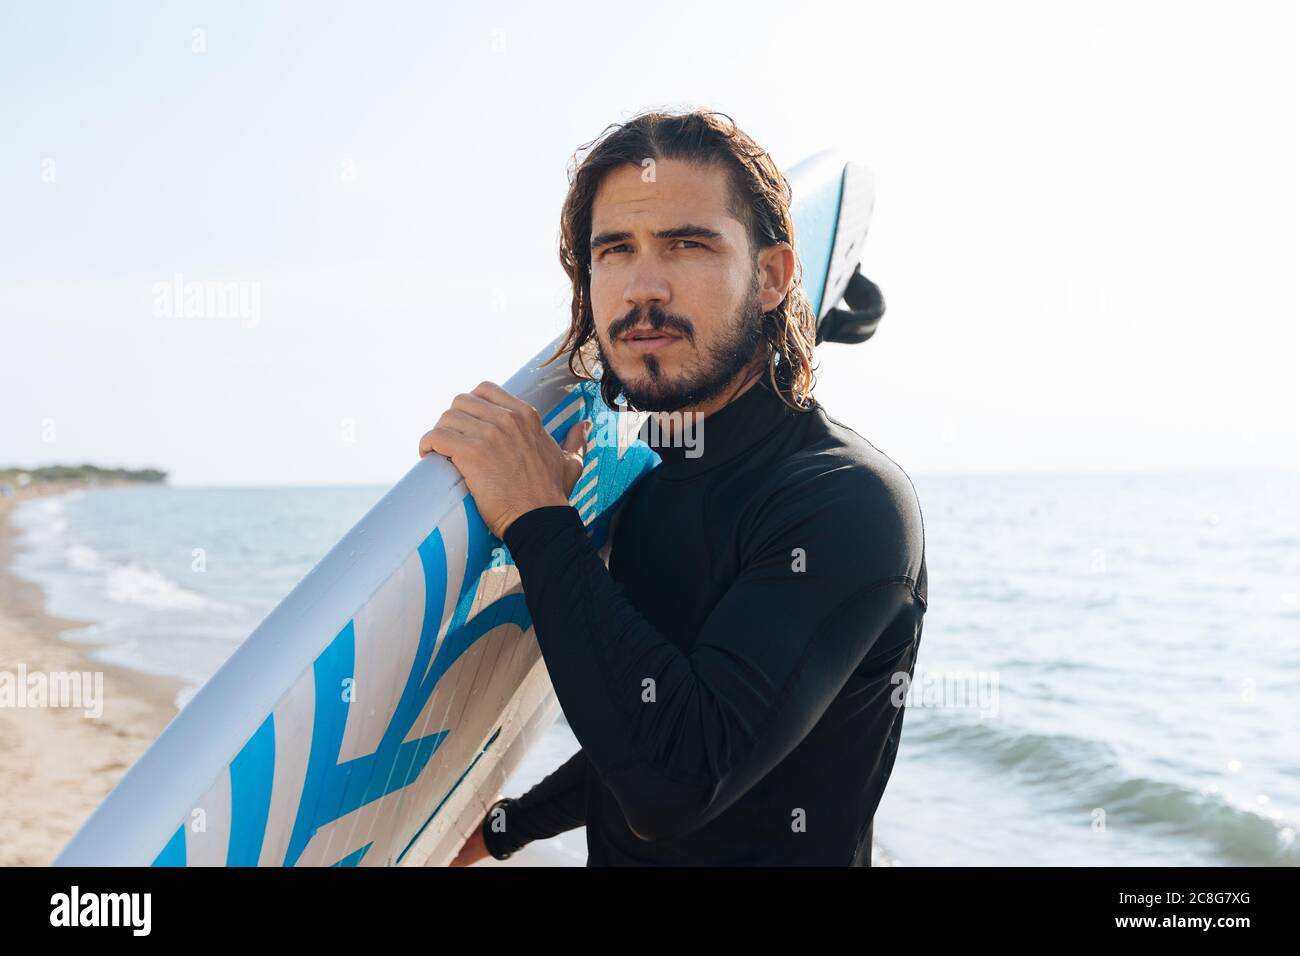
<point x="1109" y="673"/>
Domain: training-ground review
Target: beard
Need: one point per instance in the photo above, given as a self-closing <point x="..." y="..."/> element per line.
<point x="722" y="361"/>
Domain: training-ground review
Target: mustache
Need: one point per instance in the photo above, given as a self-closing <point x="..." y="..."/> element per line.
<point x="657" y="319"/>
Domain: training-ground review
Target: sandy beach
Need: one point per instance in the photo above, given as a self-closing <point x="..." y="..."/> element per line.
<point x="56" y="763"/>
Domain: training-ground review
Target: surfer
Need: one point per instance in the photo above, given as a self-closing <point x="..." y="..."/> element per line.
<point x="736" y="676"/>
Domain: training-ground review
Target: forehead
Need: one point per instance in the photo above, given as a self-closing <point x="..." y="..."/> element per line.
<point x="680" y="191"/>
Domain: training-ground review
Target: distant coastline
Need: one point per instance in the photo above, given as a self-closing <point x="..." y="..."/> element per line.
<point x="86" y="474"/>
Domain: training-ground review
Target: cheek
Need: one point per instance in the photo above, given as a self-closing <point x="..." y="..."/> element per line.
<point x="710" y="306"/>
<point x="604" y="301"/>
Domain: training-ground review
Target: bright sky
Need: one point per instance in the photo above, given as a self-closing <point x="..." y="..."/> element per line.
<point x="1087" y="223"/>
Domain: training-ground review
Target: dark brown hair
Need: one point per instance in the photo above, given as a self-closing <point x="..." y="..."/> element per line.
<point x="759" y="198"/>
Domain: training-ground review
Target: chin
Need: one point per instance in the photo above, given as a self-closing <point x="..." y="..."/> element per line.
<point x="641" y="379"/>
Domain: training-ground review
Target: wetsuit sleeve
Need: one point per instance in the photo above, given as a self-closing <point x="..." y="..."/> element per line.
<point x="556" y="804"/>
<point x="826" y="566"/>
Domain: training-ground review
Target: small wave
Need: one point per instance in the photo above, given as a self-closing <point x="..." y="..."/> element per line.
<point x="1045" y="758"/>
<point x="1241" y="835"/>
<point x="1086" y="774"/>
<point x="1052" y="666"/>
<point x="80" y="557"/>
<point x="134" y="584"/>
<point x="42" y="520"/>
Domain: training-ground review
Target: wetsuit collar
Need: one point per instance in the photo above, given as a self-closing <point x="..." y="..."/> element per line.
<point x="696" y="444"/>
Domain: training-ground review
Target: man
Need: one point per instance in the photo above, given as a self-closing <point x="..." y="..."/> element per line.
<point x="736" y="675"/>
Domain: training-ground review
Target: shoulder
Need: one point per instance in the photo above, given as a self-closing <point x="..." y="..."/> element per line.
<point x="838" y="487"/>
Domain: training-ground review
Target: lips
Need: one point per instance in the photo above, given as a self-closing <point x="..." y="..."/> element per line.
<point x="640" y="341"/>
<point x="646" y="333"/>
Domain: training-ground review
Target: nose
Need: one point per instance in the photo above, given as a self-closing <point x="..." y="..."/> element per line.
<point x="646" y="286"/>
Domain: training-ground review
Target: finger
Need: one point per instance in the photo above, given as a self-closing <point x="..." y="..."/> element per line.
<point x="463" y="422"/>
<point x="481" y="408"/>
<point x="442" y="441"/>
<point x="499" y="396"/>
<point x="575" y="440"/>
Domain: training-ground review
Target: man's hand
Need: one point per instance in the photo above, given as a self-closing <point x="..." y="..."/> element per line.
<point x="509" y="461"/>
<point x="474" y="848"/>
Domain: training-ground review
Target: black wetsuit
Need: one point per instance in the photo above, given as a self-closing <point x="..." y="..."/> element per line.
<point x="735" y="676"/>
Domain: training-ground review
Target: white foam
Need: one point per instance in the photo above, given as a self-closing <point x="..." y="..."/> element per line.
<point x="80" y="557"/>
<point x="41" y="520"/>
<point x="144" y="587"/>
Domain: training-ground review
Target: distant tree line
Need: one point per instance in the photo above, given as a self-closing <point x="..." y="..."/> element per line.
<point x="85" y="473"/>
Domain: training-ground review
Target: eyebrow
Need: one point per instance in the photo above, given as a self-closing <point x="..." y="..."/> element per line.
<point x="687" y="231"/>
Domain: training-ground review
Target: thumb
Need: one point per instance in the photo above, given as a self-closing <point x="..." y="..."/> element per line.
<point x="575" y="442"/>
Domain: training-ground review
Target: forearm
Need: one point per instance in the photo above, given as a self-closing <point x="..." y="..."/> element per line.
<point x="600" y="652"/>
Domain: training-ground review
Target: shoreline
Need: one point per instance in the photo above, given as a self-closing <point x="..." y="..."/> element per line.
<point x="56" y="764"/>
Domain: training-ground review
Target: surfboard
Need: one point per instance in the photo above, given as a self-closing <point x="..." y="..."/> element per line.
<point x="378" y="710"/>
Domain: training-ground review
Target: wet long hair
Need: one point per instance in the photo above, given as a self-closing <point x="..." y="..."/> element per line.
<point x="759" y="198"/>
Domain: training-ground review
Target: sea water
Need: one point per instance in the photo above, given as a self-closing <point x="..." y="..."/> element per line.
<point x="1109" y="673"/>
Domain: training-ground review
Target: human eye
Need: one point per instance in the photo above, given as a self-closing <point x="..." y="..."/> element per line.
<point x="610" y="249"/>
